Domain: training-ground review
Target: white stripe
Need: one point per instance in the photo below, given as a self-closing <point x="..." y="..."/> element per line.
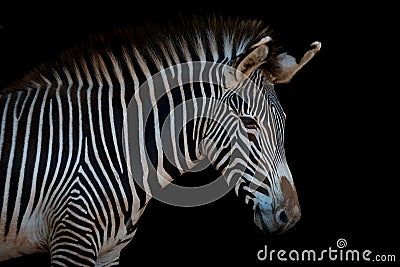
<point x="3" y="217"/>
<point x="18" y="117"/>
<point x="175" y="57"/>
<point x="189" y="162"/>
<point x="185" y="50"/>
<point x="59" y="198"/>
<point x="104" y="71"/>
<point x="200" y="51"/>
<point x="258" y="183"/>
<point x="96" y="215"/>
<point x="51" y="193"/>
<point x="120" y="78"/>
<point x="49" y="159"/>
<point x="237" y="185"/>
<point x="93" y="139"/>
<point x="163" y="177"/>
<point x="3" y="123"/>
<point x="164" y="49"/>
<point x="104" y="210"/>
<point x="213" y="46"/>
<point x="227" y="43"/>
<point x="136" y="200"/>
<point x="56" y="256"/>
<point x="177" y="65"/>
<point x="33" y="190"/>
<point x="141" y="141"/>
<point x="172" y="120"/>
<point x="184" y="115"/>
<point x="204" y="100"/>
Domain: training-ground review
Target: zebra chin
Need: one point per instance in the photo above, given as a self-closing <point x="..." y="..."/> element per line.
<point x="275" y="222"/>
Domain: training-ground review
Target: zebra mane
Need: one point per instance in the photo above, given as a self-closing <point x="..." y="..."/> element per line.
<point x="212" y="38"/>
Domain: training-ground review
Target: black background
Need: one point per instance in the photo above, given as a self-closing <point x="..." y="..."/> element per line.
<point x="341" y="129"/>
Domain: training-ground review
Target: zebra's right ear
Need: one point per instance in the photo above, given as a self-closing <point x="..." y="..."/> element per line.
<point x="243" y="66"/>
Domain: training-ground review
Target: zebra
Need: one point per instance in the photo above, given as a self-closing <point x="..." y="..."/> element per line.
<point x="82" y="144"/>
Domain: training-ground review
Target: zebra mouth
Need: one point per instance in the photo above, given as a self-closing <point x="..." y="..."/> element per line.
<point x="258" y="219"/>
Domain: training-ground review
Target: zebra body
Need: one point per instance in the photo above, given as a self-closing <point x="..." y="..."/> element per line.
<point x="54" y="165"/>
<point x="80" y="156"/>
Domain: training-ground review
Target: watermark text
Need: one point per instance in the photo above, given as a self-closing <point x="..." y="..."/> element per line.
<point x="338" y="253"/>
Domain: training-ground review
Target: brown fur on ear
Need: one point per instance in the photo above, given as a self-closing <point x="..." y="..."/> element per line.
<point x="255" y="58"/>
<point x="288" y="66"/>
<point x="242" y="67"/>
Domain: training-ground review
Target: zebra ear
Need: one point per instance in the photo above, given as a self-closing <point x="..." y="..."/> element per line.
<point x="244" y="66"/>
<point x="288" y="66"/>
<point x="255" y="58"/>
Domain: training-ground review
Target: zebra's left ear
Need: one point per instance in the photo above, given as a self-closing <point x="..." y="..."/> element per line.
<point x="288" y="67"/>
<point x="244" y="66"/>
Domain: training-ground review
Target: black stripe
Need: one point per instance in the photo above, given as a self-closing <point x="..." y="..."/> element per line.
<point x="18" y="154"/>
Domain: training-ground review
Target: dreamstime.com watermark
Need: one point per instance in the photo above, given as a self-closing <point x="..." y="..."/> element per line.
<point x="338" y="253"/>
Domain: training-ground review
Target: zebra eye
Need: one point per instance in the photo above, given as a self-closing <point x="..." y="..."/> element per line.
<point x="249" y="122"/>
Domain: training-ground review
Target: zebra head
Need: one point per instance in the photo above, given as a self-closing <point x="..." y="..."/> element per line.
<point x="251" y="150"/>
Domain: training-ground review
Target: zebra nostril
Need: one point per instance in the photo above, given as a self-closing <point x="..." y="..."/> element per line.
<point x="283" y="217"/>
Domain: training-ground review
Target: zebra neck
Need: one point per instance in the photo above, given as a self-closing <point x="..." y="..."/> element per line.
<point x="167" y="120"/>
